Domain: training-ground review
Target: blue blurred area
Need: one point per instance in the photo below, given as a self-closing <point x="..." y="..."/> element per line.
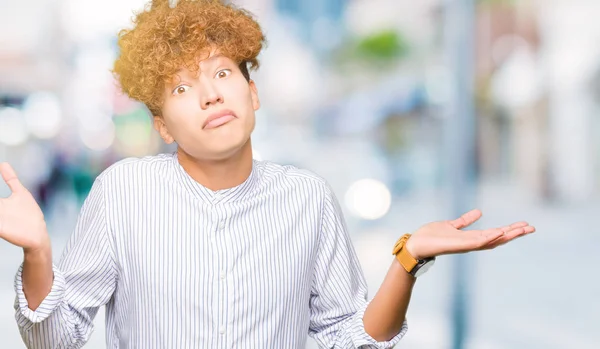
<point x="358" y="91"/>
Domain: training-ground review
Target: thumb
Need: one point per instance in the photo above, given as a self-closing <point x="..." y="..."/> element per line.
<point x="466" y="219"/>
<point x="10" y="177"/>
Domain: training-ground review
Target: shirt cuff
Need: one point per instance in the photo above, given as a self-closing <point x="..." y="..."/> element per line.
<point x="49" y="303"/>
<point x="361" y="339"/>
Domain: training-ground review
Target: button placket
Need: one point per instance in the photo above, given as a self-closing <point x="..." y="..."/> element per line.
<point x="220" y="251"/>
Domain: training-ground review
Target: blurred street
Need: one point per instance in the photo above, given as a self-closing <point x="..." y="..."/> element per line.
<point x="399" y="105"/>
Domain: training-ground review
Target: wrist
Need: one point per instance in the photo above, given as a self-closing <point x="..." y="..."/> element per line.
<point x="38" y="251"/>
<point x="412" y="262"/>
<point x="410" y="248"/>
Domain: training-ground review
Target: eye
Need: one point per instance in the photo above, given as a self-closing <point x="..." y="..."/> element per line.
<point x="180" y="89"/>
<point x="223" y="73"/>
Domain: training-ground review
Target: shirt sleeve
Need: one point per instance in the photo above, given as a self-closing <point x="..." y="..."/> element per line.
<point x="84" y="280"/>
<point x="339" y="291"/>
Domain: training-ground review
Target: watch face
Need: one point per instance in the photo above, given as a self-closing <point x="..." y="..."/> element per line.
<point x="423" y="269"/>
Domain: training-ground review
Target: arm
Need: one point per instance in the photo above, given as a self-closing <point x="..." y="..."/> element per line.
<point x="55" y="306"/>
<point x="37" y="275"/>
<point x="386" y="313"/>
<point x="341" y="317"/>
<point x="22" y="224"/>
<point x="339" y="291"/>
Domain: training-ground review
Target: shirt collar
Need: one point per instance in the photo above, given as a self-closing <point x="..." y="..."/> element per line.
<point x="214" y="197"/>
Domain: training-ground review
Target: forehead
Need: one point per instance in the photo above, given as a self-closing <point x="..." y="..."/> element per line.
<point x="203" y="63"/>
<point x="206" y="62"/>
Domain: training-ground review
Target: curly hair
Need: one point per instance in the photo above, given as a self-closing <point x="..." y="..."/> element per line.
<point x="164" y="39"/>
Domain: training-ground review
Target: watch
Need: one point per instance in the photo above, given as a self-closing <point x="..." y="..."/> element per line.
<point x="415" y="267"/>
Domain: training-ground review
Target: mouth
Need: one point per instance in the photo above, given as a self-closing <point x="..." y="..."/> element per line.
<point x="218" y="119"/>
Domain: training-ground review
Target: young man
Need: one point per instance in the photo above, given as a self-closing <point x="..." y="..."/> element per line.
<point x="208" y="248"/>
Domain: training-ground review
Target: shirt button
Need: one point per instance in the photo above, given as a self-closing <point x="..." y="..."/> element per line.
<point x="222" y="329"/>
<point x="221" y="225"/>
<point x="223" y="275"/>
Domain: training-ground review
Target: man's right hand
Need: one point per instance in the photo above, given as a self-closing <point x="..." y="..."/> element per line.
<point x="22" y="224"/>
<point x="21" y="219"/>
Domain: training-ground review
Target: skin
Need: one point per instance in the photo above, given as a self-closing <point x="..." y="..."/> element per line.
<point x="220" y="158"/>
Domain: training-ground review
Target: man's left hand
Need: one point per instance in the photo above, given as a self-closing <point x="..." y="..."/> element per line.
<point x="445" y="237"/>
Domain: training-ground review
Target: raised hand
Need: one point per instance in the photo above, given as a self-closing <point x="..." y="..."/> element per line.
<point x="21" y="219"/>
<point x="445" y="237"/>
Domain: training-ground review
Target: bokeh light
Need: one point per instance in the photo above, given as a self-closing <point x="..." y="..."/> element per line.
<point x="13" y="130"/>
<point x="100" y="138"/>
<point x="368" y="199"/>
<point x="43" y="114"/>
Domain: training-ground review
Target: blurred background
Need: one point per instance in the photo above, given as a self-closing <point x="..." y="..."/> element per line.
<point x="414" y="111"/>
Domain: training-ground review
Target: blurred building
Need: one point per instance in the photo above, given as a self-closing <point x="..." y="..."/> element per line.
<point x="356" y="90"/>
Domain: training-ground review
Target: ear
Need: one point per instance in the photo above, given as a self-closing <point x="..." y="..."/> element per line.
<point x="161" y="127"/>
<point x="254" y="95"/>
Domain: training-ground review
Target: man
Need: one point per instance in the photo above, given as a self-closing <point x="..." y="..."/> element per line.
<point x="208" y="248"/>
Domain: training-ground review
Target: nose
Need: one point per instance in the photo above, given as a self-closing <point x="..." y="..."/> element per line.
<point x="210" y="94"/>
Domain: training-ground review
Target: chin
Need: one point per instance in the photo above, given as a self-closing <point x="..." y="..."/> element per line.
<point x="220" y="153"/>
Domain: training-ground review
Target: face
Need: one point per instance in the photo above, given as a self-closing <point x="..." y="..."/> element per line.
<point x="210" y="114"/>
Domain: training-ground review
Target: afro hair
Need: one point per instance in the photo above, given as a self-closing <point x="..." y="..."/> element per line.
<point x="165" y="39"/>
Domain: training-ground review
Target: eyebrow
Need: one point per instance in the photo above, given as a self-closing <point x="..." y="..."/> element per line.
<point x="210" y="60"/>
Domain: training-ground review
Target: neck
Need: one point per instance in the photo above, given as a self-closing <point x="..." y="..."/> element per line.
<point x="219" y="174"/>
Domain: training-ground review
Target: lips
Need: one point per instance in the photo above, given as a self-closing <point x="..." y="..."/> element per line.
<point x="219" y="118"/>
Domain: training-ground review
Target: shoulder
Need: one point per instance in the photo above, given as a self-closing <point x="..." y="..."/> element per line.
<point x="293" y="177"/>
<point x="134" y="169"/>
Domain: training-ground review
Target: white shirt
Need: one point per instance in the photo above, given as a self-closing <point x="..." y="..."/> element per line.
<point x="260" y="265"/>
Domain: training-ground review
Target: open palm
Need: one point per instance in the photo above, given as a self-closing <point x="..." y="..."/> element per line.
<point x="21" y="219"/>
<point x="445" y="237"/>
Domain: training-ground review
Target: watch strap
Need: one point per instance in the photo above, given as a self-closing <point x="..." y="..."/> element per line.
<point x="407" y="261"/>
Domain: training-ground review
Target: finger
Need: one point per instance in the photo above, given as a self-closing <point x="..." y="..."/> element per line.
<point x="473" y="240"/>
<point x="517" y="225"/>
<point x="511" y="235"/>
<point x="466" y="219"/>
<point x="10" y="177"/>
<point x="493" y="234"/>
<point x="518" y="231"/>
